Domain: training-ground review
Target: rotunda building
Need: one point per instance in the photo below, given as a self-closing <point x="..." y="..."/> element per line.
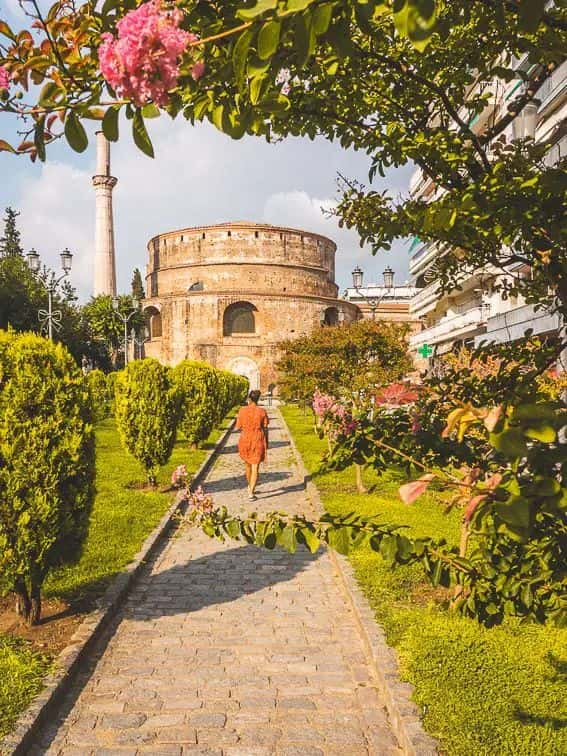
<point x="229" y="293"/>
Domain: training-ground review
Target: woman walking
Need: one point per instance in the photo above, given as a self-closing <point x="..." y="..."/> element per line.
<point x="252" y="421"/>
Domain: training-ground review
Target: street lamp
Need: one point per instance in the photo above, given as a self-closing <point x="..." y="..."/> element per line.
<point x="373" y="302"/>
<point x="50" y="317"/>
<point x="139" y="342"/>
<point x="125" y="320"/>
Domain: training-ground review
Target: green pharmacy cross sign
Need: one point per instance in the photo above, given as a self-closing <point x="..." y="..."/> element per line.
<point x="425" y="351"/>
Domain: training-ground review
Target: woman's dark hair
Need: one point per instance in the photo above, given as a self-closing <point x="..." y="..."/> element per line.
<point x="254" y="396"/>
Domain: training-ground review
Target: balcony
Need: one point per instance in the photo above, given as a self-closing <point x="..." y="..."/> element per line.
<point x="451" y="328"/>
<point x="512" y="325"/>
<point x="552" y="88"/>
<point x="424" y="300"/>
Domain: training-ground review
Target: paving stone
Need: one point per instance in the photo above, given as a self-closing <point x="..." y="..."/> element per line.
<point x="224" y="649"/>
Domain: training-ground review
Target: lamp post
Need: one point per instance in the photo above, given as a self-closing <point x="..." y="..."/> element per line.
<point x="50" y="317"/>
<point x="373" y="302"/>
<point x="125" y="320"/>
<point x="140" y="342"/>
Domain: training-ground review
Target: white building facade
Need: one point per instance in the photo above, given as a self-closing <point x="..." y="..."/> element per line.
<point x="476" y="313"/>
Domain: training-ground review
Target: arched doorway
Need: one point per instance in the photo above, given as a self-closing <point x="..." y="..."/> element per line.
<point x="246" y="367"/>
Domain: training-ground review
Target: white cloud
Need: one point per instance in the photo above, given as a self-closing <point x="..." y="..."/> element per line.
<point x="56" y="212"/>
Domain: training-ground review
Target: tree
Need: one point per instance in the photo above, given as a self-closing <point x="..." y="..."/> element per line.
<point x="10" y="243"/>
<point x="46" y="464"/>
<point x="137" y="285"/>
<point x="198" y="386"/>
<point x="103" y="325"/>
<point x="343" y="359"/>
<point x="147" y="407"/>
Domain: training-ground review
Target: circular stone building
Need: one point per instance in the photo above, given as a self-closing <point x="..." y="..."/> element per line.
<point x="228" y="294"/>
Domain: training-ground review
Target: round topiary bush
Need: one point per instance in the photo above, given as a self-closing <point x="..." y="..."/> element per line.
<point x="147" y="413"/>
<point x="46" y="464"/>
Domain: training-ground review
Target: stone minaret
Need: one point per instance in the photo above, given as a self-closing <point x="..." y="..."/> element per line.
<point x="104" y="183"/>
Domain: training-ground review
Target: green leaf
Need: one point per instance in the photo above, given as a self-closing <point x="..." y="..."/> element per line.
<point x="75" y="132"/>
<point x="240" y="57"/>
<point x="256" y="89"/>
<point x="47" y="92"/>
<point x="415" y="20"/>
<point x="287" y="539"/>
<point x="141" y="136"/>
<point x="544" y="433"/>
<point x="249" y="14"/>
<point x="298" y="5"/>
<point x="322" y="16"/>
<point x="110" y="124"/>
<point x="150" y="110"/>
<point x="339" y="539"/>
<point x="510" y="442"/>
<point x="311" y="540"/>
<point x="530" y="13"/>
<point x="268" y="39"/>
<point x="515" y="512"/>
<point x="233" y="528"/>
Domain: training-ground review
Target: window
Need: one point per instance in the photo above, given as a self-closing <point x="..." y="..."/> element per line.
<point x="229" y="233"/>
<point x="256" y="234"/>
<point x="153" y="319"/>
<point x="330" y="317"/>
<point x="239" y="318"/>
<point x="197" y="286"/>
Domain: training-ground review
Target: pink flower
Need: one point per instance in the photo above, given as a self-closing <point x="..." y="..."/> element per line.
<point x="396" y="395"/>
<point x="142" y="63"/>
<point x="179" y="476"/>
<point x="4" y="78"/>
<point x="322" y="403"/>
<point x="198" y="70"/>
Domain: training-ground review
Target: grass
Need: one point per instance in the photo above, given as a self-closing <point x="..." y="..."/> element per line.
<point x="483" y="692"/>
<point x="21" y="674"/>
<point x="121" y="519"/>
<point x="122" y="515"/>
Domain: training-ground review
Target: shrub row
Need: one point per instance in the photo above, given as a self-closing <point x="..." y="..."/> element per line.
<point x="152" y="401"/>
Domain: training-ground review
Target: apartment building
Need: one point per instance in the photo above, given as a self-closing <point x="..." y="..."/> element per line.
<point x="476" y="312"/>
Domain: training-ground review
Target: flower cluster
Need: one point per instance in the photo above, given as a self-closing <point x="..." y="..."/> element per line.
<point x="396" y="395"/>
<point x="284" y="78"/>
<point x="179" y="477"/>
<point x="4" y="78"/>
<point x="322" y="403"/>
<point x="142" y="63"/>
<point x="200" y="504"/>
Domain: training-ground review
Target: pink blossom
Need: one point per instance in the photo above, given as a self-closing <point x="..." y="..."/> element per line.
<point x="395" y="395"/>
<point x="179" y="476"/>
<point x="4" y="78"/>
<point x="198" y="70"/>
<point x="201" y="502"/>
<point x="322" y="403"/>
<point x="142" y="63"/>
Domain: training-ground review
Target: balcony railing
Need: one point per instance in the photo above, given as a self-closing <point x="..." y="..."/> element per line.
<point x="454" y="326"/>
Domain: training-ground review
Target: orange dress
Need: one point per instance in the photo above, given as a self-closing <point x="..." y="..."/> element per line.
<point x="252" y="421"/>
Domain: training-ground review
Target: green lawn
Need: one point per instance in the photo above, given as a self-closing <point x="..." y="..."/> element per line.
<point x="483" y="692"/>
<point x="121" y="519"/>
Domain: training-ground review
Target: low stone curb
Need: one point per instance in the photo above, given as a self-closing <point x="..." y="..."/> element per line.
<point x="56" y="685"/>
<point x="402" y="711"/>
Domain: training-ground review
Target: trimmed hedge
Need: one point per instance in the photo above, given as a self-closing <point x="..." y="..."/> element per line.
<point x="147" y="413"/>
<point x="207" y="395"/>
<point x="46" y="464"/>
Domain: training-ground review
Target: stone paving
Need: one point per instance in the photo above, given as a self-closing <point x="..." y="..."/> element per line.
<point x="229" y="650"/>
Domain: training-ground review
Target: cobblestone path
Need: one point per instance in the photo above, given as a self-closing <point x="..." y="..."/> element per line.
<point x="229" y="650"/>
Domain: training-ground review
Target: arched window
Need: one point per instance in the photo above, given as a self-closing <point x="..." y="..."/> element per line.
<point x="330" y="316"/>
<point x="239" y="318"/>
<point x="153" y="320"/>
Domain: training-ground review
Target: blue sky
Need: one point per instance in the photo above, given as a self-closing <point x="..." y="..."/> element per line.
<point x="199" y="176"/>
